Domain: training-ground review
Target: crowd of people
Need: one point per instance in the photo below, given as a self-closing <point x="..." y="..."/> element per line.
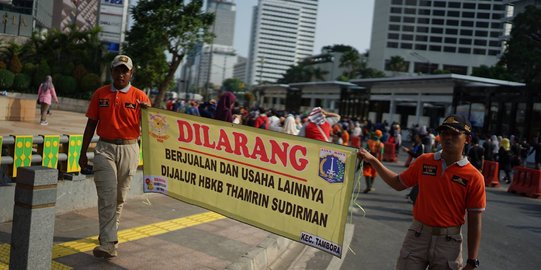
<point x="325" y="126"/>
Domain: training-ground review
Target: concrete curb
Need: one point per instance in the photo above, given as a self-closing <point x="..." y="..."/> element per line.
<point x="263" y="255"/>
<point x="274" y="248"/>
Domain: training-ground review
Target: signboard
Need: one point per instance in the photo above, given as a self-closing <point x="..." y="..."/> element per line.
<point x="292" y="186"/>
<point x="16" y="24"/>
<point x="112" y="20"/>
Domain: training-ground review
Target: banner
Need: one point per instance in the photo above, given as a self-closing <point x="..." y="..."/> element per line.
<point x="291" y="186"/>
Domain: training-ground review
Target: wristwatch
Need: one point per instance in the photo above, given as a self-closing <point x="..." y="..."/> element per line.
<point x="473" y="262"/>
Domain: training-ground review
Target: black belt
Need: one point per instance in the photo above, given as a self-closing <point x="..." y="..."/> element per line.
<point x="119" y="141"/>
<point x="438" y="230"/>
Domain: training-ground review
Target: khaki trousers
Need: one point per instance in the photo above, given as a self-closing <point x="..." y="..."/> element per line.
<point x="435" y="248"/>
<point x="114" y="168"/>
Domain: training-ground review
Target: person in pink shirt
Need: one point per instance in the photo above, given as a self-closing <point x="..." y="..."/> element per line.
<point x="46" y="94"/>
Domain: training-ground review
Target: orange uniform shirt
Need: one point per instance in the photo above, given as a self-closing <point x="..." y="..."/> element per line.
<point x="118" y="112"/>
<point x="444" y="195"/>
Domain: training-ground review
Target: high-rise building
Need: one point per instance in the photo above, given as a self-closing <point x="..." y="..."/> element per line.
<point x="283" y="33"/>
<point x="224" y="25"/>
<point x="447" y="35"/>
<point x="208" y="65"/>
<point x="239" y="71"/>
<point x="512" y="9"/>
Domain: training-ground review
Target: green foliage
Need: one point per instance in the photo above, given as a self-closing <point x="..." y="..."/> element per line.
<point x="351" y="61"/>
<point x="337" y="48"/>
<point x="397" y="64"/>
<point x="90" y="82"/>
<point x="42" y="71"/>
<point x="79" y="72"/>
<point x="233" y="85"/>
<point x="372" y="73"/>
<point x="296" y="73"/>
<point x="63" y="51"/>
<point x="6" y="79"/>
<point x="21" y="83"/>
<point x="29" y="69"/>
<point x="15" y="64"/>
<point x="494" y="72"/>
<point x="65" y="85"/>
<point x="170" y="26"/>
<point x="66" y="68"/>
<point x="522" y="56"/>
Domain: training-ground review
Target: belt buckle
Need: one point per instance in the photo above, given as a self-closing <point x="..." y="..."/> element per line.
<point x="118" y="141"/>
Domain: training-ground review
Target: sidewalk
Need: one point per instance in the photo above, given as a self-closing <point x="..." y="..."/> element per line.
<point x="156" y="232"/>
<point x="60" y="122"/>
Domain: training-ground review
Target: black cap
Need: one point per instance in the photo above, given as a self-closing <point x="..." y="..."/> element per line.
<point x="457" y="123"/>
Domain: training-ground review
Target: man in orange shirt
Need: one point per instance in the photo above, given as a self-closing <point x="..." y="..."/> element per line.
<point x="115" y="112"/>
<point x="449" y="188"/>
<point x="375" y="146"/>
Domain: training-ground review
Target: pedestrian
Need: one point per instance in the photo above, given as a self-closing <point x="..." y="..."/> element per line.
<point x="224" y="108"/>
<point x="319" y="124"/>
<point x="504" y="159"/>
<point x="487" y="145"/>
<point x="46" y="94"/>
<point x="416" y="151"/>
<point x="376" y="147"/>
<point x="355" y="140"/>
<point x="449" y="189"/>
<point x="114" y="113"/>
<point x="495" y="147"/>
<point x="476" y="154"/>
<point x="290" y="127"/>
<point x="262" y="121"/>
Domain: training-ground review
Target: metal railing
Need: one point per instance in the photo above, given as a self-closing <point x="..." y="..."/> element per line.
<point x="59" y="152"/>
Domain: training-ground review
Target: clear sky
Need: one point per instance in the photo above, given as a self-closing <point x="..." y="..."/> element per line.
<point x="347" y="22"/>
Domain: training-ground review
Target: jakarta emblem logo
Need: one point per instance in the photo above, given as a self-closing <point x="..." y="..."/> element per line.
<point x="158" y="127"/>
<point x="332" y="165"/>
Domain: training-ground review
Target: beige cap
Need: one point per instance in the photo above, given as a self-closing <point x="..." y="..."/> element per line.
<point x="122" y="60"/>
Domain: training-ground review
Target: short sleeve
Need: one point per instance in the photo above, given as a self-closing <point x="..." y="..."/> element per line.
<point x="410" y="177"/>
<point x="476" y="197"/>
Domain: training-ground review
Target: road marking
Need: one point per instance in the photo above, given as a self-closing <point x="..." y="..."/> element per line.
<point x="127" y="235"/>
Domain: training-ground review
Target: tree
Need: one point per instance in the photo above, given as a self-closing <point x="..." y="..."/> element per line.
<point x="296" y="73"/>
<point x="397" y="64"/>
<point x="523" y="53"/>
<point x="233" y="84"/>
<point x="62" y="52"/>
<point x="498" y="71"/>
<point x="351" y="61"/>
<point x="164" y="26"/>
